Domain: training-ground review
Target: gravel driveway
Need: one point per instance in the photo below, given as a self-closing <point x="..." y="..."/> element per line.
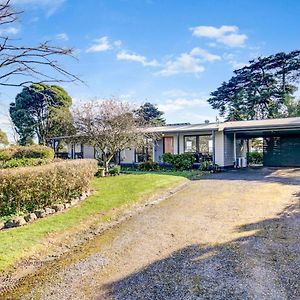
<point x="233" y="235"/>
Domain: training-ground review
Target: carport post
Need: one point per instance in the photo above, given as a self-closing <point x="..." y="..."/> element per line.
<point x="234" y="148"/>
<point x="214" y="146"/>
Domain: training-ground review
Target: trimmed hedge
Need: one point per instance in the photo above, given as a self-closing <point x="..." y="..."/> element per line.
<point x="182" y="161"/>
<point x="22" y="162"/>
<point x="22" y="156"/>
<point x="148" y="166"/>
<point x="31" y="188"/>
<point x="33" y="151"/>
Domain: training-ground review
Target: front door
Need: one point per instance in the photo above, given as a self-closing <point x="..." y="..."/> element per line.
<point x="168" y="144"/>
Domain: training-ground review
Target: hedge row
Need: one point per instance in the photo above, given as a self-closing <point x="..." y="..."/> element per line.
<point x="182" y="161"/>
<point x="31" y="188"/>
<point x="23" y="162"/>
<point x="22" y="152"/>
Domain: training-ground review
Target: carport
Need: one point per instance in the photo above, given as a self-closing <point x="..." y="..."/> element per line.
<point x="281" y="140"/>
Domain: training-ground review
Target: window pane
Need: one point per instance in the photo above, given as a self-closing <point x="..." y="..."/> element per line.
<point x="205" y="144"/>
<point x="190" y="144"/>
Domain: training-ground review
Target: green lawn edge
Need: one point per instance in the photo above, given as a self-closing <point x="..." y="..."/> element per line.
<point x="110" y="192"/>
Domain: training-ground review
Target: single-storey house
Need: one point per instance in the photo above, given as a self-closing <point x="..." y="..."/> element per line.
<point x="224" y="143"/>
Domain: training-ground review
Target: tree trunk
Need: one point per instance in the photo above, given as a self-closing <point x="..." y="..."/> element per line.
<point x="106" y="161"/>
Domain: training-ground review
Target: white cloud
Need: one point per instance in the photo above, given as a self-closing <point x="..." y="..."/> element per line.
<point x="178" y="104"/>
<point x="124" y="55"/>
<point x="51" y="6"/>
<point x="227" y="35"/>
<point x="62" y="36"/>
<point x="206" y="56"/>
<point x="191" y="62"/>
<point x="196" y="117"/>
<point x="185" y="63"/>
<point x="118" y="43"/>
<point x="9" y="31"/>
<point x="100" y="45"/>
<point x="179" y="93"/>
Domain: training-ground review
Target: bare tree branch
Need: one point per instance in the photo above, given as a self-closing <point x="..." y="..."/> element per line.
<point x="33" y="63"/>
<point x="110" y="126"/>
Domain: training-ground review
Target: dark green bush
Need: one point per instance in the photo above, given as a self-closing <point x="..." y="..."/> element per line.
<point x="148" y="166"/>
<point x="27" y="189"/>
<point x="182" y="161"/>
<point x="22" y="162"/>
<point x="206" y="165"/>
<point x="114" y="170"/>
<point x="33" y="151"/>
<point x="167" y="158"/>
<point x="255" y="158"/>
<point x="21" y="156"/>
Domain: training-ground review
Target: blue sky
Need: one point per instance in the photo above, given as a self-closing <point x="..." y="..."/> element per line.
<point x="169" y="52"/>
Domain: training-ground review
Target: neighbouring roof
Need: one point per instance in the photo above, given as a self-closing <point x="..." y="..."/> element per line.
<point x="284" y="123"/>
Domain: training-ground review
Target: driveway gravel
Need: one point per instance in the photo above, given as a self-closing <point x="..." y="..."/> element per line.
<point x="233" y="235"/>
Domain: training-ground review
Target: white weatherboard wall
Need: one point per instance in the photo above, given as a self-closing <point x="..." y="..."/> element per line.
<point x="228" y="149"/>
<point x="88" y="151"/>
<point x="219" y="148"/>
<point x="127" y="156"/>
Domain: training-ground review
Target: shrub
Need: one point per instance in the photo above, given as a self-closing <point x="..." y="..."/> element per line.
<point x="148" y="166"/>
<point x="34" y="151"/>
<point x="22" y="162"/>
<point x="167" y="158"/>
<point x="255" y="157"/>
<point x="114" y="170"/>
<point x="21" y="156"/>
<point x="27" y="189"/>
<point x="182" y="161"/>
<point x="206" y="165"/>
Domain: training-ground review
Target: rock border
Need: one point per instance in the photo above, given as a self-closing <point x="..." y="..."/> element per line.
<point x="18" y="221"/>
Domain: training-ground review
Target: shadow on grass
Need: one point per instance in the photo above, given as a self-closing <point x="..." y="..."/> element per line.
<point x="262" y="265"/>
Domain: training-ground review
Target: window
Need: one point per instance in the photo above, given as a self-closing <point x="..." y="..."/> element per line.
<point x="190" y="144"/>
<point x="198" y="144"/>
<point x="140" y="154"/>
<point x="205" y="144"/>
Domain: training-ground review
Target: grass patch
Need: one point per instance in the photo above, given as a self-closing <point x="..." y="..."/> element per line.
<point x="189" y="174"/>
<point x="110" y="192"/>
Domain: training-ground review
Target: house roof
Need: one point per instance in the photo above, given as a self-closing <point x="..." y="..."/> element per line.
<point x="183" y="128"/>
<point x="232" y="126"/>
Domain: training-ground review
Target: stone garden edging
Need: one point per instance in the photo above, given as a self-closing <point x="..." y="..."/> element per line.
<point x="18" y="221"/>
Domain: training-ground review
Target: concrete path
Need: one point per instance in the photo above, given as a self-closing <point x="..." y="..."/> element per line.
<point x="234" y="235"/>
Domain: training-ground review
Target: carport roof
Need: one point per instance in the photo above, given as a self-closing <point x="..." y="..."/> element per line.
<point x="284" y="123"/>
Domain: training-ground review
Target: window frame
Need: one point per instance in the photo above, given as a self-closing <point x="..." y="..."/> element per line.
<point x="197" y="141"/>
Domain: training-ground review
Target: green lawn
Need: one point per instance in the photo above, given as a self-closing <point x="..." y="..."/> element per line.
<point x="190" y="174"/>
<point x="111" y="192"/>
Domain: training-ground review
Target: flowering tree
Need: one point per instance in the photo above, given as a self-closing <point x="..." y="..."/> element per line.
<point x="110" y="126"/>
